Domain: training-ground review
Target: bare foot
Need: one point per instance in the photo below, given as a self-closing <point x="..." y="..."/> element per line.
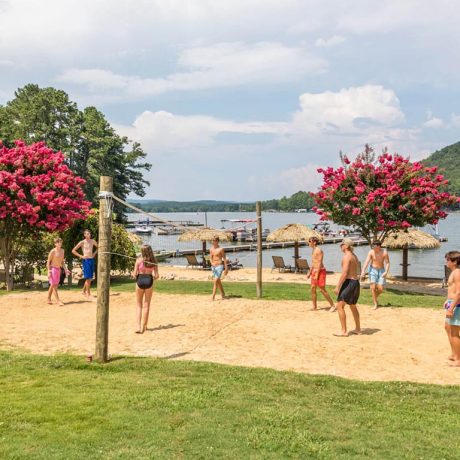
<point x="313" y="309"/>
<point x="61" y="303"/>
<point x="454" y="363"/>
<point x="451" y="358"/>
<point x="341" y="334"/>
<point x="356" y="332"/>
<point x="375" y="307"/>
<point x="332" y="309"/>
<point x="49" y="302"/>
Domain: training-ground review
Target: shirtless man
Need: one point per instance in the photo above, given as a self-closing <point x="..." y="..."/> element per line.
<point x="379" y="265"/>
<point x="218" y="267"/>
<point x="347" y="288"/>
<point x="53" y="265"/>
<point x="317" y="274"/>
<point x="452" y="306"/>
<point x="89" y="250"/>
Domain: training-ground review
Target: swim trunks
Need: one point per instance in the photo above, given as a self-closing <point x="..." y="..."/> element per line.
<point x="376" y="275"/>
<point x="144" y="280"/>
<point x="349" y="292"/>
<point x="318" y="279"/>
<point x="217" y="271"/>
<point x="54" y="276"/>
<point x="454" y="320"/>
<point x="88" y="268"/>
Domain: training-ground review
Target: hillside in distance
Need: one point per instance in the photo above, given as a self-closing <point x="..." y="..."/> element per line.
<point x="448" y="161"/>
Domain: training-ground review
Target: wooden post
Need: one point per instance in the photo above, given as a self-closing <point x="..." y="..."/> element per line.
<point x="405" y="263"/>
<point x="103" y="273"/>
<point x="259" y="250"/>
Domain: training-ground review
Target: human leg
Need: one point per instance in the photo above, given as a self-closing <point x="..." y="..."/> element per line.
<point x="314" y="298"/>
<point x="455" y="343"/>
<point x="221" y="287"/>
<point x="374" y="295"/>
<point x="342" y="317"/>
<point x="327" y="296"/>
<point x="447" y="327"/>
<point x="146" y="307"/>
<point x="139" y="302"/>
<point x="355" y="312"/>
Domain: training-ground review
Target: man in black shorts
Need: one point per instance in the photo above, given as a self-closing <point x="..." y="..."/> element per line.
<point x="347" y="288"/>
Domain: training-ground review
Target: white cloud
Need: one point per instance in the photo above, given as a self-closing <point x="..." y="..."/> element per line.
<point x="164" y="131"/>
<point x="434" y="122"/>
<point x="220" y="65"/>
<point x="348" y="110"/>
<point x="331" y="41"/>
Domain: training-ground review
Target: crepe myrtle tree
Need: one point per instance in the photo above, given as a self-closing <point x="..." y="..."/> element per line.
<point x="379" y="197"/>
<point x="38" y="193"/>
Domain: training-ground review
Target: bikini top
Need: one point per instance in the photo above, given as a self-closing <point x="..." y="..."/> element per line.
<point x="147" y="268"/>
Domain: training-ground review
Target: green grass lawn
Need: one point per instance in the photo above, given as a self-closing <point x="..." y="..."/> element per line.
<point x="276" y="291"/>
<point x="142" y="408"/>
<point x="283" y="291"/>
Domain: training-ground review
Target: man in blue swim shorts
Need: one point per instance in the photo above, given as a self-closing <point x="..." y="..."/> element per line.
<point x="89" y="250"/>
<point x="379" y="264"/>
<point x="452" y="306"/>
<point x="218" y="267"/>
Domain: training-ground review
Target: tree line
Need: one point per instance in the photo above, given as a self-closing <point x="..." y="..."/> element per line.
<point x="299" y="200"/>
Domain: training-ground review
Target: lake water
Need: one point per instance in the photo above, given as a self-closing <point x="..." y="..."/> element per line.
<point x="425" y="263"/>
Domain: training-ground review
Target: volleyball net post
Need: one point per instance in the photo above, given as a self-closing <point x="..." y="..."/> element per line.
<point x="259" y="249"/>
<point x="103" y="268"/>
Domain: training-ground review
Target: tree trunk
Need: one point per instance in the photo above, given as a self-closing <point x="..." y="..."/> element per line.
<point x="8" y="261"/>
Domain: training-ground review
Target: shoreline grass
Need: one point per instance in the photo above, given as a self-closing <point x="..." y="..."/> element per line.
<point x="62" y="407"/>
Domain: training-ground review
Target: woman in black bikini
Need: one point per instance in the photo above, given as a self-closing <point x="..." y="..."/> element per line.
<point x="145" y="272"/>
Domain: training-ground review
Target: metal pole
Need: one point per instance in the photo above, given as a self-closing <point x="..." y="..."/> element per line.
<point x="259" y="249"/>
<point x="103" y="273"/>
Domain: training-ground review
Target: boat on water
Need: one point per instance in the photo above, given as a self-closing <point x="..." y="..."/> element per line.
<point x="243" y="229"/>
<point x="143" y="230"/>
<point x="168" y="230"/>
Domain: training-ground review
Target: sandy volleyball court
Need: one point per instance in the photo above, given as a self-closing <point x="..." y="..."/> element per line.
<point x="398" y="344"/>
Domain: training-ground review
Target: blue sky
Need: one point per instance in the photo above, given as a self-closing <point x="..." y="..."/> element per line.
<point x="244" y="100"/>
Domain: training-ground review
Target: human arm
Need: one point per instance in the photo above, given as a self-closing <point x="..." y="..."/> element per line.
<point x="50" y="258"/>
<point x="366" y="263"/>
<point x="156" y="272"/>
<point x="386" y="260"/>
<point x="95" y="245"/>
<point x="343" y="275"/>
<point x="224" y="258"/>
<point x="76" y="248"/>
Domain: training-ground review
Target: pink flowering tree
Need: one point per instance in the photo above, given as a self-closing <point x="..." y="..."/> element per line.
<point x="38" y="192"/>
<point x="381" y="197"/>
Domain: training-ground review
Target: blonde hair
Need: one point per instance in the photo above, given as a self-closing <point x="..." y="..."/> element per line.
<point x="57" y="240"/>
<point x="147" y="255"/>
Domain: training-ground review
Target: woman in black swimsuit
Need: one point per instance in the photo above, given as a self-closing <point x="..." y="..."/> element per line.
<point x="145" y="272"/>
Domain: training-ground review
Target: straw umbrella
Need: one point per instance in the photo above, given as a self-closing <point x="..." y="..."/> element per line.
<point x="205" y="234"/>
<point x="410" y="238"/>
<point x="296" y="233"/>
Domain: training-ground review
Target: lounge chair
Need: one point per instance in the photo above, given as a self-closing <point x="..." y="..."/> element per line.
<point x="301" y="266"/>
<point x="447" y="272"/>
<point x="192" y="261"/>
<point x="278" y="263"/>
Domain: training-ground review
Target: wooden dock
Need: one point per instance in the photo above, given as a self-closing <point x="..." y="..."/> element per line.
<point x="272" y="245"/>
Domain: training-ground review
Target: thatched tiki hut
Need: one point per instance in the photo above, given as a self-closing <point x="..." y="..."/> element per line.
<point x="205" y="234"/>
<point x="410" y="238"/>
<point x="295" y="233"/>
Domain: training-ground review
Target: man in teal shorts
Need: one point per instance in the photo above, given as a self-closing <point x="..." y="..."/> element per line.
<point x="452" y="306"/>
<point x="379" y="264"/>
<point x="218" y="267"/>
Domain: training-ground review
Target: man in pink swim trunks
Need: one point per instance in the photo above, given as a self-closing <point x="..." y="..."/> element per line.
<point x="54" y="264"/>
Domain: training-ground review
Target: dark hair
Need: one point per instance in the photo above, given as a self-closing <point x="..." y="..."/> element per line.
<point x="215" y="238"/>
<point x="377" y="243"/>
<point x="86" y="230"/>
<point x="453" y="256"/>
<point x="148" y="255"/>
<point x="314" y="238"/>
